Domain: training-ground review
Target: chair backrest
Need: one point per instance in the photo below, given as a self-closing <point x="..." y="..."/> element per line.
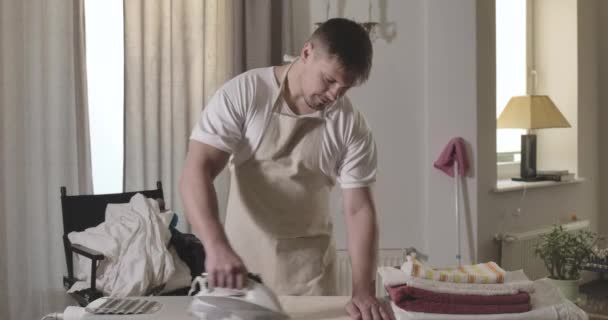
<point x="84" y="211"/>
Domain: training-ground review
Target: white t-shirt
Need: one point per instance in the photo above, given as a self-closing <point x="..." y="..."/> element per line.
<point x="235" y="117"/>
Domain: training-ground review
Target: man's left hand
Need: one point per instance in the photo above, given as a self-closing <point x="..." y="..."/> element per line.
<point x="365" y="306"/>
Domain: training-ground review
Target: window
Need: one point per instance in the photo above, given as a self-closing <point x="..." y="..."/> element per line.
<point x="511" y="70"/>
<point x="105" y="82"/>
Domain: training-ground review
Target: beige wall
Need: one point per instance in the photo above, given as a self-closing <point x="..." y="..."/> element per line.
<point x="588" y="127"/>
<point x="498" y="212"/>
<point x="450" y="110"/>
<point x="555" y="56"/>
<point x="486" y="126"/>
<point x="602" y="66"/>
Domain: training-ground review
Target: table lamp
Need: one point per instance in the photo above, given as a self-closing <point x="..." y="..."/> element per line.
<point x="530" y="112"/>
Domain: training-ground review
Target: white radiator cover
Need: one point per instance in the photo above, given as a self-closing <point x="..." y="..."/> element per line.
<point x="386" y="257"/>
<point x="517" y="249"/>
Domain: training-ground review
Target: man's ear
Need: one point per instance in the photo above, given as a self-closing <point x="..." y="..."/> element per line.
<point x="306" y="53"/>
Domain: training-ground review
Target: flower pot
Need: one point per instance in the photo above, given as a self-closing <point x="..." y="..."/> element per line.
<point x="568" y="288"/>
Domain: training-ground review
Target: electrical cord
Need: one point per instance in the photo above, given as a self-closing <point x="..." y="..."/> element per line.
<point x="521" y="201"/>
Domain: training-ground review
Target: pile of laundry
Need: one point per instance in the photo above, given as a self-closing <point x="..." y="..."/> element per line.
<point x="472" y="289"/>
<point x="134" y="240"/>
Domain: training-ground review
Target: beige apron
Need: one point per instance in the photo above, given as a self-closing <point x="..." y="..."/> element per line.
<point x="278" y="218"/>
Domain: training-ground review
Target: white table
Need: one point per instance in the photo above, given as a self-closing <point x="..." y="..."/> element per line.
<point x="298" y="308"/>
<point x="315" y="308"/>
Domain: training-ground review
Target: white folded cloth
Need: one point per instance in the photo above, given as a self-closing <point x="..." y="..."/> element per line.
<point x="515" y="282"/>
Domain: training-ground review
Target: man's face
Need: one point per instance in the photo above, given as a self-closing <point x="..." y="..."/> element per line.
<point x="323" y="79"/>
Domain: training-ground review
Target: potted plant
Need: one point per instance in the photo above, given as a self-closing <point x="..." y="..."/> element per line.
<point x="564" y="254"/>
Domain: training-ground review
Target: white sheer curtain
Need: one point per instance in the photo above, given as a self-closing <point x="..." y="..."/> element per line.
<point x="176" y="55"/>
<point x="43" y="145"/>
<point x="178" y="52"/>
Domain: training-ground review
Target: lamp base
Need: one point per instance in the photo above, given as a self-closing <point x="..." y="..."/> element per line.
<point x="527" y="168"/>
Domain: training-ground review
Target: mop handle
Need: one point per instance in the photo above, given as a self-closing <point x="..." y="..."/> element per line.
<point x="456" y="194"/>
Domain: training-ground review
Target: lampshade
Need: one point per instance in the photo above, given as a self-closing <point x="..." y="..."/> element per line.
<point x="531" y="112"/>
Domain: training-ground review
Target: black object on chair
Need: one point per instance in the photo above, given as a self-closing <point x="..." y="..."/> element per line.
<point x="85" y="211"/>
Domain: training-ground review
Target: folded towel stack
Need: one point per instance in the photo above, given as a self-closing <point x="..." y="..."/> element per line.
<point x="474" y="289"/>
<point x="419" y="300"/>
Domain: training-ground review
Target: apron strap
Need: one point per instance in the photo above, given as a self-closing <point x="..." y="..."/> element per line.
<point x="275" y="102"/>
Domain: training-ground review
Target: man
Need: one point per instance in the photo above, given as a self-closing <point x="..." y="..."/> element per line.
<point x="289" y="133"/>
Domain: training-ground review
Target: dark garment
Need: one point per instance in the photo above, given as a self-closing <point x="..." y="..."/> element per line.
<point x="190" y="249"/>
<point x="404" y="292"/>
<point x="420" y="300"/>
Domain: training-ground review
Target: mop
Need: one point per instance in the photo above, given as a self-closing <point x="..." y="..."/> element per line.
<point x="453" y="161"/>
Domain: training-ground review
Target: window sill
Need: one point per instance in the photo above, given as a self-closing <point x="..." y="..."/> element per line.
<point x="506" y="170"/>
<point x="506" y="185"/>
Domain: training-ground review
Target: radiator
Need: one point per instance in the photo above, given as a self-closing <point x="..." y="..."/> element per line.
<point x="517" y="249"/>
<point x="386" y="257"/>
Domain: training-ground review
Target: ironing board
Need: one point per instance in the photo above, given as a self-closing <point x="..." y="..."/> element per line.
<point x="548" y="305"/>
<point x="298" y="308"/>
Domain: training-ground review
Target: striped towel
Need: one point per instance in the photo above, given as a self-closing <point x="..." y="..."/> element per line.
<point x="488" y="272"/>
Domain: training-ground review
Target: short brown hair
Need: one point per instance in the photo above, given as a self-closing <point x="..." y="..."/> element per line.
<point x="347" y="41"/>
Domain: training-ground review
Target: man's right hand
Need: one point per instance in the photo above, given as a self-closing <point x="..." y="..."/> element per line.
<point x="224" y="267"/>
<point x="203" y="163"/>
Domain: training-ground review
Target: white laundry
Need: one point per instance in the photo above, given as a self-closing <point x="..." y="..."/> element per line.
<point x="133" y="239"/>
<point x="515" y="282"/>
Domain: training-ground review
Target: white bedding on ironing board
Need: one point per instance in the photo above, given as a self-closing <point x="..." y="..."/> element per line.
<point x="547" y="304"/>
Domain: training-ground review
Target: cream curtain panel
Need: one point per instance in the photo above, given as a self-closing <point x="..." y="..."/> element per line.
<point x="44" y="144"/>
<point x="178" y="53"/>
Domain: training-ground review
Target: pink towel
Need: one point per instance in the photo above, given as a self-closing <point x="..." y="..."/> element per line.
<point x="455" y="150"/>
<point x="403" y="292"/>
